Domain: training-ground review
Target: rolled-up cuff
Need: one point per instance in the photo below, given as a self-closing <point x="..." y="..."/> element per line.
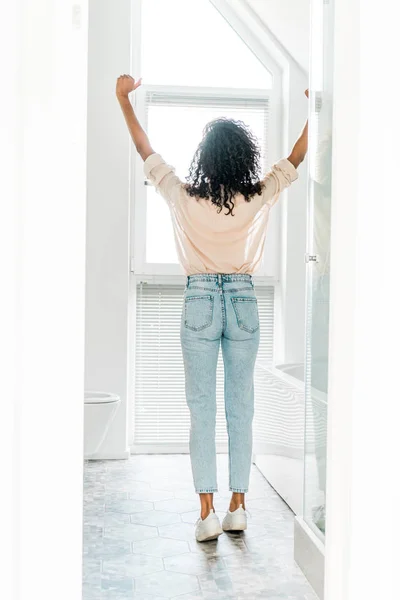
<point x="152" y="161"/>
<point x="287" y="169"/>
<point x="155" y="168"/>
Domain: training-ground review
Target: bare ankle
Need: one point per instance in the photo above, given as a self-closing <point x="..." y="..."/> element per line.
<point x="205" y="512"/>
<point x="237" y="500"/>
<point x="207" y="505"/>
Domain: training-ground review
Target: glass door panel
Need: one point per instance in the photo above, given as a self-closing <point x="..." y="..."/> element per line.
<point x="319" y="227"/>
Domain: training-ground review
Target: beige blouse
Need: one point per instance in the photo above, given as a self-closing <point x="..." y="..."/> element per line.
<point x="212" y="242"/>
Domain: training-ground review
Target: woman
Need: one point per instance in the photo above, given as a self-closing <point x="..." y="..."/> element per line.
<point x="220" y="218"/>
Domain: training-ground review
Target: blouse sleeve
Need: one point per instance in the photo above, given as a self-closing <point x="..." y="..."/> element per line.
<point x="162" y="176"/>
<point x="281" y="176"/>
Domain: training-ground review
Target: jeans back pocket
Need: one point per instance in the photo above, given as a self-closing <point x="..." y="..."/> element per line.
<point x="246" y="310"/>
<point x="198" y="312"/>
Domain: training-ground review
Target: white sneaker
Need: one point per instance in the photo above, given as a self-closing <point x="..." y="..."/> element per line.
<point x="208" y="528"/>
<point x="236" y="520"/>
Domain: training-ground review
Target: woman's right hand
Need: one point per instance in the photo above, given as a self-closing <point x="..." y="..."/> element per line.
<point x="307" y="93"/>
<point x="125" y="85"/>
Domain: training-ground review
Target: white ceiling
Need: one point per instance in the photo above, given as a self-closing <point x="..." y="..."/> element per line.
<point x="288" y="20"/>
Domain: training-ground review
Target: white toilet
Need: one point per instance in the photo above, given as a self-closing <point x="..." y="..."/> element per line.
<point x="100" y="409"/>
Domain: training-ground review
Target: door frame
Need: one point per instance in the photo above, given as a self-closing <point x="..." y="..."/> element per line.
<point x="361" y="554"/>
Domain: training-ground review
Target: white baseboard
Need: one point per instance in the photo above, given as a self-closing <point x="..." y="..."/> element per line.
<point x="107" y="456"/>
<point x="309" y="553"/>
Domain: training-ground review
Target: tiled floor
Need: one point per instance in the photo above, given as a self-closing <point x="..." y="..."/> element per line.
<point x="139" y="537"/>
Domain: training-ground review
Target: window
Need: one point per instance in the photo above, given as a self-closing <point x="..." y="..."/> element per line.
<point x="188" y="42"/>
<point x="161" y="419"/>
<point x="188" y="114"/>
<point x="189" y="64"/>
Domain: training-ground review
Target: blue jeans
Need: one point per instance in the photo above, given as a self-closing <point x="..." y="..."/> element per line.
<point x="220" y="310"/>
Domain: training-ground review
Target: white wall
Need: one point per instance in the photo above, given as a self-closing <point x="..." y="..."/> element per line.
<point x="288" y="20"/>
<point x="107" y="267"/>
<point x="43" y="124"/>
<point x="264" y="18"/>
<point x="10" y="148"/>
<point x="363" y="486"/>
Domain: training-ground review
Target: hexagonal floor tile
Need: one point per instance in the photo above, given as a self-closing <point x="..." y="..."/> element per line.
<point x="129" y="482"/>
<point x="92" y="521"/>
<point x="91" y="587"/>
<point x="200" y="595"/>
<point x="275" y="505"/>
<point x="143" y="596"/>
<point x="116" y="586"/>
<point x="191" y="516"/>
<point x="113" y="473"/>
<point x="143" y="475"/>
<point x="160" y="547"/>
<point x="270" y="547"/>
<point x="91" y="566"/>
<point x="131" y="532"/>
<point x="172" y="484"/>
<point x="178" y="531"/>
<point x="151" y="495"/>
<point x="133" y="565"/>
<point x="243" y="561"/>
<point x="167" y="584"/>
<point x="280" y="530"/>
<point x="221" y="504"/>
<point x="107" y="547"/>
<point x="211" y="585"/>
<point x="113" y="495"/>
<point x="155" y="518"/>
<point x="176" y="505"/>
<point x="185" y="494"/>
<point x="190" y="563"/>
<point x="128" y="506"/>
<point x="113" y="518"/>
<point x="223" y="546"/>
<point x="124" y="480"/>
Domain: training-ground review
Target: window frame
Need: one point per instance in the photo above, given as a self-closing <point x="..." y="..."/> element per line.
<point x="138" y="266"/>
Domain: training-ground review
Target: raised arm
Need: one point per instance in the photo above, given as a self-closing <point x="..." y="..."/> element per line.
<point x="301" y="146"/>
<point x="125" y="85"/>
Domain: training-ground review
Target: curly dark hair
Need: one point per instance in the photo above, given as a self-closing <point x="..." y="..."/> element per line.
<point x="226" y="163"/>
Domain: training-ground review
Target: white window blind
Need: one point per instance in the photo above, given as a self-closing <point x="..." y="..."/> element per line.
<point x="161" y="418"/>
